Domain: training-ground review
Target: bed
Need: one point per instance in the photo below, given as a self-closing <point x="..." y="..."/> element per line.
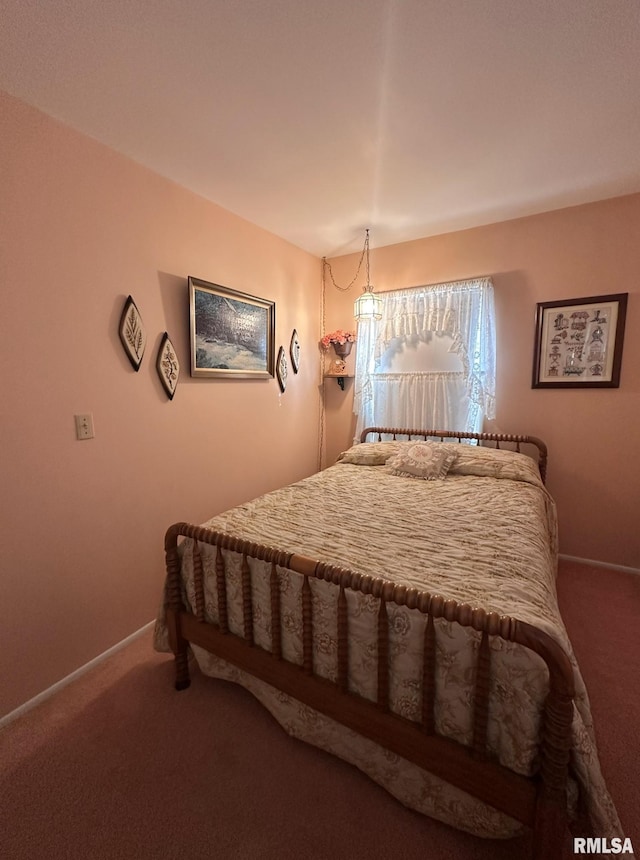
<point x="409" y="626"/>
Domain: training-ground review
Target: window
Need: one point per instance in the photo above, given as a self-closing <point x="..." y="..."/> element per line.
<point x="430" y="361"/>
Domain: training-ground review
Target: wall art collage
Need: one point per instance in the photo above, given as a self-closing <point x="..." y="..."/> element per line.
<point x="232" y="335"/>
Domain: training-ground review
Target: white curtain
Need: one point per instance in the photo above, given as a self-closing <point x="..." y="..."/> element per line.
<point x="464" y="311"/>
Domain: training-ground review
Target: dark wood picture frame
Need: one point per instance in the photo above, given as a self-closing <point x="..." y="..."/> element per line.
<point x="281" y="369"/>
<point x="294" y="351"/>
<point x="133" y="335"/>
<point x="168" y="366"/>
<point x="578" y="342"/>
<point x="232" y="333"/>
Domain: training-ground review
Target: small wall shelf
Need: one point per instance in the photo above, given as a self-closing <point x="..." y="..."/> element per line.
<point x="340" y="377"/>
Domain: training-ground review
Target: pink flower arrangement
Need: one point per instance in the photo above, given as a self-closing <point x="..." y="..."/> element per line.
<point x="338" y="336"/>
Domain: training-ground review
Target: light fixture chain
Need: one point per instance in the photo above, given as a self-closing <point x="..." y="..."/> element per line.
<point x="366" y="247"/>
<point x="326" y="264"/>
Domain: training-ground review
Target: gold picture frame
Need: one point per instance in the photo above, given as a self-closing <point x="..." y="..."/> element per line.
<point x="232" y="333"/>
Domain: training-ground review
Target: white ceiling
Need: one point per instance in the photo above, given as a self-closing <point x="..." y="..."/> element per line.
<point x="317" y="118"/>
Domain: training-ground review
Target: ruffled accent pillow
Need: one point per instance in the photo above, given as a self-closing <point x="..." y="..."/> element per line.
<point x="427" y="460"/>
<point x="370" y="453"/>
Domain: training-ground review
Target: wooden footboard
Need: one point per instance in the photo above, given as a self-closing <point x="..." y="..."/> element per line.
<point x="540" y="802"/>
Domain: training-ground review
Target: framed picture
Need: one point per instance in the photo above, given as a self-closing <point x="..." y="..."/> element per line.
<point x="168" y="366"/>
<point x="281" y="369"/>
<point x="132" y="333"/>
<point x="232" y="333"/>
<point x="578" y="342"/>
<point x="294" y="351"/>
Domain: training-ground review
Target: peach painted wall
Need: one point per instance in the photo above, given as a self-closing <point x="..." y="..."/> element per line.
<point x="83" y="522"/>
<point x="594" y="470"/>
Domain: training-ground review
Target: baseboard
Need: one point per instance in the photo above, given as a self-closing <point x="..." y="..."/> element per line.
<point x="46" y="694"/>
<point x="593" y="563"/>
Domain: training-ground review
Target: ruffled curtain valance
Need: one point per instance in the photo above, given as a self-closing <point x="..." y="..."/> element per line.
<point x="464" y="311"/>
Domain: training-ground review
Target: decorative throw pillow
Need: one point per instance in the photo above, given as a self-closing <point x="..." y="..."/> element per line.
<point x="428" y="460"/>
<point x="369" y="453"/>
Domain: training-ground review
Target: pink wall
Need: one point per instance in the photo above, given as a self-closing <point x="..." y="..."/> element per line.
<point x="592" y="434"/>
<point x="83" y="522"/>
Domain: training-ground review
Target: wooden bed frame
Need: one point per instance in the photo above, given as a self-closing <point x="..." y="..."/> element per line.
<point x="539" y="802"/>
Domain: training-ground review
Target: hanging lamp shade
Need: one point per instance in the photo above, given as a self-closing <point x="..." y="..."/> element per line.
<point x="368" y="306"/>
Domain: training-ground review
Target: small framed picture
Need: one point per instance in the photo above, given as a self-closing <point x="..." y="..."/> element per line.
<point x="578" y="342"/>
<point x="132" y="333"/>
<point x="281" y="369"/>
<point x="168" y="366"/>
<point x="294" y="351"/>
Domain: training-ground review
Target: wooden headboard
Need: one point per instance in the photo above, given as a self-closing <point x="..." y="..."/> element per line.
<point x="500" y="440"/>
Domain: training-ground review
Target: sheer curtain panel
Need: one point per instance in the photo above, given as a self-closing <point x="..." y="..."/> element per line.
<point x="426" y="396"/>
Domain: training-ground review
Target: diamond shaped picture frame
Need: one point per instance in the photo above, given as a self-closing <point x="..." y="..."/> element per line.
<point x="294" y="351"/>
<point x="168" y="366"/>
<point x="132" y="333"/>
<point x="281" y="369"/>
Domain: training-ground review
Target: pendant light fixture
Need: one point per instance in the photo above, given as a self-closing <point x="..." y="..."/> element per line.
<point x="368" y="306"/>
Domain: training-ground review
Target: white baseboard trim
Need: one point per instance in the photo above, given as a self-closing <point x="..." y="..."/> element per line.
<point x="592" y="563"/>
<point x="46" y="694"/>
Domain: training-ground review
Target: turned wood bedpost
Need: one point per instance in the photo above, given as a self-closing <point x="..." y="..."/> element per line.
<point x="383" y="656"/>
<point x="276" y="622"/>
<point x="221" y="590"/>
<point x="178" y="643"/>
<point x="481" y="697"/>
<point x="307" y="626"/>
<point x="247" y="603"/>
<point x="551" y="809"/>
<point x="551" y="822"/>
<point x="429" y="677"/>
<point x="198" y="582"/>
<point x="343" y="639"/>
